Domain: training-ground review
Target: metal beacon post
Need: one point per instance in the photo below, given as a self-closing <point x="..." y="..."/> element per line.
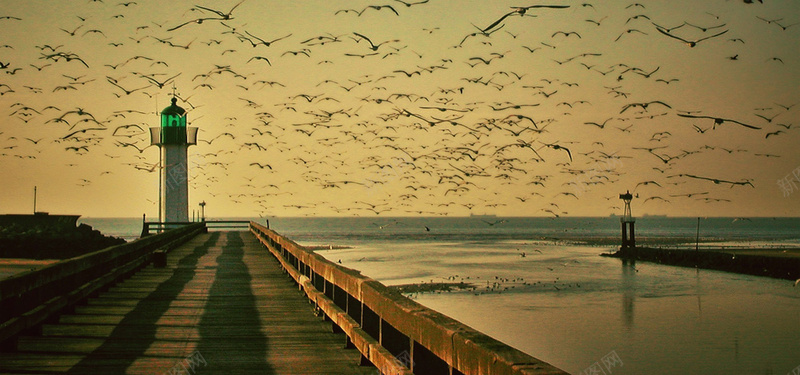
<point x="627" y="220"/>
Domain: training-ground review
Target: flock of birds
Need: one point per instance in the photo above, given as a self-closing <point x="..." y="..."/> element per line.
<point x="498" y="285"/>
<point x="529" y="109"/>
<point x="554" y="276"/>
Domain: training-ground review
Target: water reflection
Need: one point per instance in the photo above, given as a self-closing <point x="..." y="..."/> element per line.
<point x="628" y="291"/>
<point x="658" y="319"/>
<point x="699" y="292"/>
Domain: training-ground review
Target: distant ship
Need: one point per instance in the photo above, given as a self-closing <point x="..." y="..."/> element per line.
<point x="485" y="216"/>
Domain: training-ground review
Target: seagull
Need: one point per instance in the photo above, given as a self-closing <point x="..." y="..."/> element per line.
<point x="127" y="92"/>
<point x="566" y="33"/>
<point x="125" y="127"/>
<point x="378" y="7"/>
<point x="690" y="43"/>
<point x="72" y="33"/>
<point x="373" y="46"/>
<point x="34" y="141"/>
<point x="718" y="181"/>
<point x="558" y="147"/>
<point x="643" y="105"/>
<point x="123" y="144"/>
<point x="222" y="16"/>
<point x="653" y="198"/>
<point x="774" y="133"/>
<point x="628" y="32"/>
<point x="600" y="125"/>
<point x="410" y="4"/>
<point x="81" y="131"/>
<point x="264" y="42"/>
<point x="157" y="83"/>
<point x="521" y="12"/>
<point x="718" y="120"/>
<point x="260" y="58"/>
<point x="225" y="16"/>
<point x="646" y="183"/>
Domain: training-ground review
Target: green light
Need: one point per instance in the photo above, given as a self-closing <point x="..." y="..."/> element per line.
<point x="173" y="124"/>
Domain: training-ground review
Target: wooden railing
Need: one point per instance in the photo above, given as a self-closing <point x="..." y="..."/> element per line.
<point x="151" y="227"/>
<point x="392" y="332"/>
<point x="27" y="299"/>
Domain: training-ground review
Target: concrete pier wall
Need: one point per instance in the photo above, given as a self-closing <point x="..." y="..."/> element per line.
<point x="777" y="263"/>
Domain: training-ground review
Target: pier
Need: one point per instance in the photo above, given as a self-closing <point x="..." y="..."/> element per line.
<point x="234" y="302"/>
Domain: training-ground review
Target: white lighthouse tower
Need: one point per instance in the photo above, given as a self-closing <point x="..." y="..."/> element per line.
<point x="174" y="138"/>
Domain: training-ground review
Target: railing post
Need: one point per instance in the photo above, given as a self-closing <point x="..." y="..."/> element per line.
<point x="396" y="342"/>
<point x="145" y="226"/>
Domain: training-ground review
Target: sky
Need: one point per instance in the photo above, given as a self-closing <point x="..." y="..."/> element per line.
<point x="423" y="108"/>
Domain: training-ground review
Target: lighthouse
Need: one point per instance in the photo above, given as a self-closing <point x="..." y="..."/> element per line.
<point x="173" y="139"/>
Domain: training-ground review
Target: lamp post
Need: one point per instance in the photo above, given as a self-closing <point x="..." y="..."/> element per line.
<point x="203" y="211"/>
<point x="697" y="237"/>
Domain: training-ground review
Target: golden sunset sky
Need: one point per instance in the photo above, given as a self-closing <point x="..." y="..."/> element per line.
<point x="447" y="113"/>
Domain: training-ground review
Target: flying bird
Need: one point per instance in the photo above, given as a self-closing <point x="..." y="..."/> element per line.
<point x="264" y="42"/>
<point x="628" y="31"/>
<point x="373" y="46"/>
<point x="262" y="166"/>
<point x="222" y="16"/>
<point x="717" y="180"/>
<point x="157" y="83"/>
<point x="774" y="133"/>
<point x="599" y="125"/>
<point x="225" y="16"/>
<point x="81" y="131"/>
<point x="719" y="120"/>
<point x="558" y="147"/>
<point x="410" y="4"/>
<point x="690" y="43"/>
<point x="643" y="105"/>
<point x="127" y="92"/>
<point x="521" y="11"/>
<point x="378" y="7"/>
<point x="566" y="34"/>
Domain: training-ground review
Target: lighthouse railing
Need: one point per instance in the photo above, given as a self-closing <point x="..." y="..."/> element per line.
<point x="152" y="227"/>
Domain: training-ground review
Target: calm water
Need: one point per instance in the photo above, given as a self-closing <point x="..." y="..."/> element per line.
<point x="566" y="305"/>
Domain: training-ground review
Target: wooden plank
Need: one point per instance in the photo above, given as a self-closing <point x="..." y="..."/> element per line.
<point x="221" y="296"/>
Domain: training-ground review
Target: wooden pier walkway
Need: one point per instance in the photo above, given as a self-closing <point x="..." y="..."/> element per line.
<point x="221" y="305"/>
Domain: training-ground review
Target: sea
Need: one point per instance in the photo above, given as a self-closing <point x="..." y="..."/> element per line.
<point x="541" y="286"/>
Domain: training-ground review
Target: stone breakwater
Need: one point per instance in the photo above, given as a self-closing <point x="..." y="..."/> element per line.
<point x="35" y="239"/>
<point x="777" y="263"/>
